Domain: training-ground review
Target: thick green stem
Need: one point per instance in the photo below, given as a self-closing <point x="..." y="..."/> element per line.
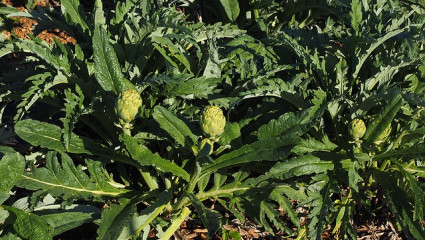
<point x="384" y="165"/>
<point x="219" y="192"/>
<point x="190" y="187"/>
<point x="256" y="13"/>
<point x="176" y="224"/>
<point x="150" y="181"/>
<point x="166" y="181"/>
<point x="374" y="165"/>
<point x="397" y="142"/>
<point x="126" y="131"/>
<point x="168" y="184"/>
<point x="151" y="217"/>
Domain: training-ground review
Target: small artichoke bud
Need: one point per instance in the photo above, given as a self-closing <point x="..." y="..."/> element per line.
<point x="357" y="128"/>
<point x="383" y="136"/>
<point x="212" y="122"/>
<point x="204" y="142"/>
<point x="127" y="106"/>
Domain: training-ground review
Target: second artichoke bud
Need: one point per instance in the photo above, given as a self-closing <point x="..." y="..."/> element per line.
<point x="127" y="106"/>
<point x="357" y="128"/>
<point x="212" y="122"/>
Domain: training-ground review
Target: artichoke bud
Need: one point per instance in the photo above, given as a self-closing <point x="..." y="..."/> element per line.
<point x="357" y="128"/>
<point x="205" y="142"/>
<point x="212" y="122"/>
<point x="127" y="106"/>
<point x="383" y="136"/>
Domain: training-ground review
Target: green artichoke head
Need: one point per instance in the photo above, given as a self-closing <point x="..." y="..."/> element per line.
<point x="206" y="142"/>
<point x="212" y="122"/>
<point x="127" y="106"/>
<point x="383" y="136"/>
<point x="357" y="128"/>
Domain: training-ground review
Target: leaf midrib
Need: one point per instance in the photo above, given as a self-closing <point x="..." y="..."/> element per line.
<point x="94" y="192"/>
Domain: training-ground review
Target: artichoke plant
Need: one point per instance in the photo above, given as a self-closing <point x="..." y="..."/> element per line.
<point x="357" y="128"/>
<point x="212" y="122"/>
<point x="127" y="106"/>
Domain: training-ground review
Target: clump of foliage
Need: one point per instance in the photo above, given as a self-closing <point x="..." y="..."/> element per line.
<point x="318" y="105"/>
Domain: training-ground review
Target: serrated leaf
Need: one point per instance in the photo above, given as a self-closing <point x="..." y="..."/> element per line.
<point x="353" y="176"/>
<point x="312" y="145"/>
<point x="163" y="43"/>
<point x="356" y="14"/>
<point x="385" y="75"/>
<point x="192" y="88"/>
<point x="146" y="216"/>
<point x="220" y="31"/>
<point x="297" y="166"/>
<point x="267" y="210"/>
<point x="231" y="7"/>
<point x="175" y="127"/>
<point x="114" y="219"/>
<point x="286" y="205"/>
<point x="286" y="124"/>
<point x="399" y="203"/>
<point x="75" y="11"/>
<point x="107" y="68"/>
<point x="49" y="136"/>
<point x="414" y="152"/>
<point x="41" y="83"/>
<point x="121" y="10"/>
<point x="212" y="69"/>
<point x="418" y="171"/>
<point x="416" y="191"/>
<point x="210" y="218"/>
<point x="370" y="48"/>
<point x="271" y="149"/>
<point x="322" y="207"/>
<point x="232" y="209"/>
<point x="30" y="226"/>
<point x="117" y="218"/>
<point x="42" y="52"/>
<point x="67" y="180"/>
<point x="259" y="204"/>
<point x="12" y="165"/>
<point x="145" y="157"/>
<point x="62" y="222"/>
<point x="73" y="110"/>
<point x="99" y="16"/>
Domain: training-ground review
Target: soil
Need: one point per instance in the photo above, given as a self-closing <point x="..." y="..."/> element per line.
<point x="22" y="27"/>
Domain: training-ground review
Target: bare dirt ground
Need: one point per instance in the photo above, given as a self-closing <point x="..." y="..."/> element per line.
<point x="22" y="26"/>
